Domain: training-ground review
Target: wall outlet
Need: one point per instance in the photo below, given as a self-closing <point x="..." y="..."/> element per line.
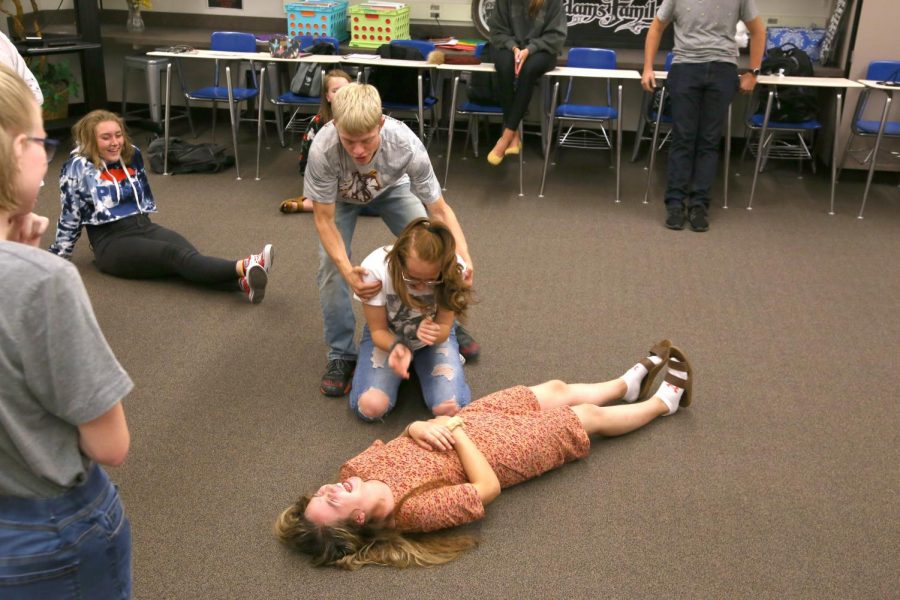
<point x="772" y="21"/>
<point x="435" y="11"/>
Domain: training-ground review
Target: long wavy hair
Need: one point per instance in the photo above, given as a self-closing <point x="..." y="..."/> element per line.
<point x="84" y="133"/>
<point x="325" y="106"/>
<point x="432" y="242"/>
<point x="349" y="545"/>
<point x="534" y="7"/>
<point x="16" y="118"/>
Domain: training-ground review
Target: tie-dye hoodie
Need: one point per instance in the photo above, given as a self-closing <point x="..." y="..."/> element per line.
<point x="92" y="196"/>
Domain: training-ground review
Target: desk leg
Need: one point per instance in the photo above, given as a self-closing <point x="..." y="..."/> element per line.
<point x="653" y="140"/>
<point x="884" y="118"/>
<point x="166" y="125"/>
<point x="260" y="123"/>
<point x="231" y="110"/>
<point x="521" y="160"/>
<point x="838" y="101"/>
<point x="549" y="137"/>
<point x="421" y="109"/>
<point x="452" y="125"/>
<point x="619" y="145"/>
<point x="759" y="146"/>
<point x="727" y="164"/>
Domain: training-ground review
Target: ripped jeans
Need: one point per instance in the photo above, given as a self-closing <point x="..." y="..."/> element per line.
<point x="438" y="367"/>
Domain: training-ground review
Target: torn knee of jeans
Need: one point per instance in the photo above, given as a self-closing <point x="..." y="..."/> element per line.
<point x="447" y="408"/>
<point x="379" y="358"/>
<point x="373" y="403"/>
<point x="443" y="350"/>
<point x="444" y="370"/>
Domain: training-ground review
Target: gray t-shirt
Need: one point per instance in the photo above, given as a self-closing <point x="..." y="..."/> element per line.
<point x="56" y="369"/>
<point x="332" y="175"/>
<point x="704" y="29"/>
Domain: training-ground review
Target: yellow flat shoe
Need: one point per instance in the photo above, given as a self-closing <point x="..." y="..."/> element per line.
<point x="513" y="150"/>
<point x="494" y="159"/>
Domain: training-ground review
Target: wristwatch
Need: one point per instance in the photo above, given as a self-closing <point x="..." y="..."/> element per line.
<point x="754" y="72"/>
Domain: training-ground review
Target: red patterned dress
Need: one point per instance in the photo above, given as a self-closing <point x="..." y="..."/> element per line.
<point x="518" y="439"/>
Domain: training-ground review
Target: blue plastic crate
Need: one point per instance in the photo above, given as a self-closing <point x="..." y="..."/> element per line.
<point x="317" y="18"/>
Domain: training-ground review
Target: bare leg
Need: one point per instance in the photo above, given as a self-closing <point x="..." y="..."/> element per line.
<point x="554" y="393"/>
<point x="618" y="420"/>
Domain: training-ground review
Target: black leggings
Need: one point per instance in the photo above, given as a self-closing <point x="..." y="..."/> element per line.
<point x="136" y="248"/>
<point x="515" y="93"/>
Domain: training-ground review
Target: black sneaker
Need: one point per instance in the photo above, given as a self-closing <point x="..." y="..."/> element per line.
<point x="697" y="218"/>
<point x="338" y="377"/>
<point x="468" y="347"/>
<point x="675" y="216"/>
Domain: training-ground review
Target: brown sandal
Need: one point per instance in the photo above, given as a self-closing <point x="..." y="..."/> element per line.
<point x="685" y="384"/>
<point x="293" y="205"/>
<point x="661" y="349"/>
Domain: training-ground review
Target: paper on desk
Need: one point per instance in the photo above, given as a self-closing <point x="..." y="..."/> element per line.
<point x="358" y="55"/>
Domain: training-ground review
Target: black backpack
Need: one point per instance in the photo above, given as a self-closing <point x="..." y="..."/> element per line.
<point x="791" y="104"/>
<point x="484" y="88"/>
<point x="307" y="81"/>
<point x="185" y="157"/>
<point x="396" y="84"/>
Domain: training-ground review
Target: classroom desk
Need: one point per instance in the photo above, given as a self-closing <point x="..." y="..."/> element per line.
<point x="265" y="57"/>
<point x="663" y="76"/>
<point x="620" y="74"/>
<point x="456" y="71"/>
<point x="885" y="114"/>
<point x="837" y="83"/>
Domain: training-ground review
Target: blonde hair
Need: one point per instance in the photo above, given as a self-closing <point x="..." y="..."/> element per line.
<point x="16" y="118"/>
<point x="349" y="545"/>
<point x="432" y="242"/>
<point x="325" y="106"/>
<point x="84" y="134"/>
<point x="357" y="108"/>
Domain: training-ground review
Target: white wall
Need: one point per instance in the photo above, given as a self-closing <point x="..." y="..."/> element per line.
<point x="800" y="13"/>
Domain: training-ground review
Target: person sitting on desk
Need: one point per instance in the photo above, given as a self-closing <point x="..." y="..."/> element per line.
<point x="527" y="35"/>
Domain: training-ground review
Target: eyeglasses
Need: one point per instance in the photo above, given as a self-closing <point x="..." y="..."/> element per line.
<point x="426" y="282"/>
<point x="50" y="146"/>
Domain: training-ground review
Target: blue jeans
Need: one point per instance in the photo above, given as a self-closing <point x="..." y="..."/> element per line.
<point x="77" y="545"/>
<point x="439" y="369"/>
<point x="397" y="208"/>
<point x="700" y="96"/>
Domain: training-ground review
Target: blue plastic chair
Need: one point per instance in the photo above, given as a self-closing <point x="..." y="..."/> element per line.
<point x="879" y="70"/>
<point x="228" y="41"/>
<point x="305" y="107"/>
<point x="573" y="114"/>
<point x="473" y="110"/>
<point x="429" y="98"/>
<point x="648" y="116"/>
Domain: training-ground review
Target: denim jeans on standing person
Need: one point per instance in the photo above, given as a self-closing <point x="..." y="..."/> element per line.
<point x="73" y="546"/>
<point x="397" y="207"/>
<point x="439" y="368"/>
<point x="700" y="94"/>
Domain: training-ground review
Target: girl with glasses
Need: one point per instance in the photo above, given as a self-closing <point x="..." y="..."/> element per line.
<point x="410" y="323"/>
<point x="104" y="189"/>
<point x="443" y="472"/>
<point x="63" y="529"/>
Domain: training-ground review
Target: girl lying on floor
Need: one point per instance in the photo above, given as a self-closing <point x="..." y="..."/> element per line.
<point x="442" y="473"/>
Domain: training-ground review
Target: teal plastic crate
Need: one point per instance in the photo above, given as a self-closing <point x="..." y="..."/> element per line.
<point x="317" y="18"/>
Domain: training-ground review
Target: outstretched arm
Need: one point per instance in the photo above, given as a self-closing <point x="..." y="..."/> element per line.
<point x="441" y="211"/>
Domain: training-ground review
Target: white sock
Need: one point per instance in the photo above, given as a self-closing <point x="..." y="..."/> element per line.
<point x="671" y="394"/>
<point x="634" y="376"/>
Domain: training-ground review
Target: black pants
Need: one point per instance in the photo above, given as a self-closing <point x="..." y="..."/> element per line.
<point x="700" y="96"/>
<point x="136" y="248"/>
<point x="515" y="93"/>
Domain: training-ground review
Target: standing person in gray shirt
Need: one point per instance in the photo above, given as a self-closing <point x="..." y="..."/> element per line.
<point x="63" y="530"/>
<point x="701" y="85"/>
<point x="365" y="159"/>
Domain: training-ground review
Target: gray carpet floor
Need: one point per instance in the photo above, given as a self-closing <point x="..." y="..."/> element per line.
<point x="779" y="481"/>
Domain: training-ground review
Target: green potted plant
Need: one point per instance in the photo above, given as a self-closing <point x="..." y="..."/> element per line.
<point x="57" y="83"/>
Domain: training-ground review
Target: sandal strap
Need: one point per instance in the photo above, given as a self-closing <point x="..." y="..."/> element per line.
<point x="675" y="379"/>
<point x="657" y="350"/>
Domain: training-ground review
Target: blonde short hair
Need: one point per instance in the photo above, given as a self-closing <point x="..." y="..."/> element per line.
<point x="16" y="118"/>
<point x="357" y="108"/>
<point x="84" y="134"/>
